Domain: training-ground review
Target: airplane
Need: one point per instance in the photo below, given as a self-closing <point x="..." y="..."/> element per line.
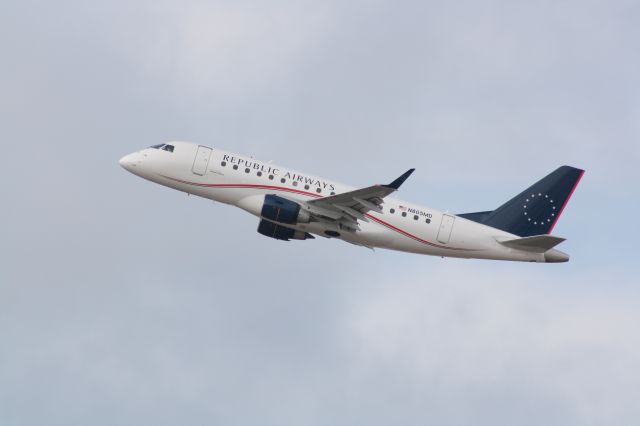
<point x="297" y="206"/>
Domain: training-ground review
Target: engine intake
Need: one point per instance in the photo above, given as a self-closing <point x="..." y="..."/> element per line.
<point x="278" y="232"/>
<point x="281" y="210"/>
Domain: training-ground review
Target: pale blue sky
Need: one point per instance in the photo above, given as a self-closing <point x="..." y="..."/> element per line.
<point x="122" y="302"/>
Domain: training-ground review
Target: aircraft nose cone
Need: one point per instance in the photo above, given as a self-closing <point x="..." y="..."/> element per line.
<point x="127" y="162"/>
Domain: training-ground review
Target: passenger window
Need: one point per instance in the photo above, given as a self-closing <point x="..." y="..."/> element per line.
<point x="270" y="177"/>
<point x="428" y="220"/>
<point x="295" y="183"/>
<point x="318" y="190"/>
<point x="168" y="148"/>
<point x="224" y="163"/>
<point x="392" y="211"/>
<point x="283" y="180"/>
<point x="306" y="187"/>
<point x="404" y="214"/>
<point x="415" y="217"/>
<point x="235" y="167"/>
<point x="259" y="173"/>
<point x="247" y="170"/>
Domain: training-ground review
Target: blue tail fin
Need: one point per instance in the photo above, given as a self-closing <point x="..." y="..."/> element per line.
<point x="536" y="210"/>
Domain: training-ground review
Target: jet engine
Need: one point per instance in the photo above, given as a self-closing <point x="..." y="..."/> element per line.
<point x="281" y="210"/>
<point x="278" y="232"/>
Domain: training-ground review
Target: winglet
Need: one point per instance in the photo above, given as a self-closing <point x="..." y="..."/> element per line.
<point x="396" y="183"/>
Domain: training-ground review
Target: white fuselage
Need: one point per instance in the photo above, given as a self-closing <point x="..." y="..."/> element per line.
<point x="243" y="182"/>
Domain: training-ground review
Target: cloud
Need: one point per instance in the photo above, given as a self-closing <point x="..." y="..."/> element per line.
<point x="511" y="335"/>
<point x="222" y="49"/>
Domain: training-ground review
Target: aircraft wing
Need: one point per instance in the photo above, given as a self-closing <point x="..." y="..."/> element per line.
<point x="353" y="205"/>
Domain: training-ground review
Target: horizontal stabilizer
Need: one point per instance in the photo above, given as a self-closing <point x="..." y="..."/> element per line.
<point x="535" y="244"/>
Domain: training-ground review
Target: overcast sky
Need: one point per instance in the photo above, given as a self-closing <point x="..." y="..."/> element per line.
<point x="126" y="303"/>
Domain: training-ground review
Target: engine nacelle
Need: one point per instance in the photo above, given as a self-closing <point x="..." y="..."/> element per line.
<point x="278" y="232"/>
<point x="281" y="210"/>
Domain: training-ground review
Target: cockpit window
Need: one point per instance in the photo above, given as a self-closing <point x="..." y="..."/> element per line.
<point x="163" y="146"/>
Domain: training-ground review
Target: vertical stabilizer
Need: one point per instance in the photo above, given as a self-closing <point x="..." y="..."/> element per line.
<point x="536" y="210"/>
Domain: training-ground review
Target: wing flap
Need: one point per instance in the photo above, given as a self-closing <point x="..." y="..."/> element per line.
<point x="352" y="212"/>
<point x="371" y="195"/>
<point x="368" y="204"/>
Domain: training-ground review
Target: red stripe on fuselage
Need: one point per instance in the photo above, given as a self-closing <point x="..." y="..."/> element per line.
<point x="405" y="233"/>
<point x="243" y="185"/>
<point x="280" y="188"/>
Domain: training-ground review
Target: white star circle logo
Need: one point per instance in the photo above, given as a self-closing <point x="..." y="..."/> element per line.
<point x="539" y="220"/>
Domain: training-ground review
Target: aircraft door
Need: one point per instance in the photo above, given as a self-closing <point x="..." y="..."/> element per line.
<point x="446" y="226"/>
<point x="201" y="162"/>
